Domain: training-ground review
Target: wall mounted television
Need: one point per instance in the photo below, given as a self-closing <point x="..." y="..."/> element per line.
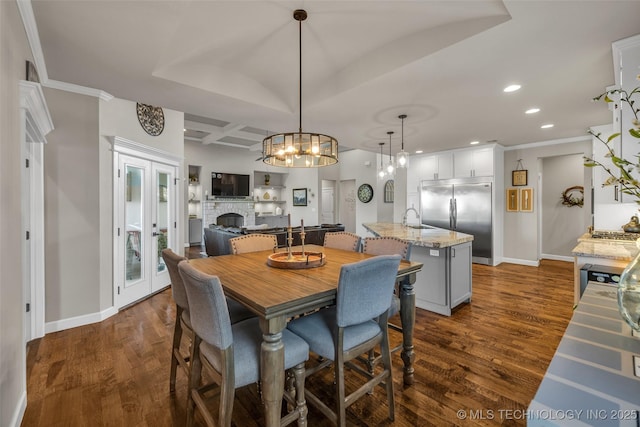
<point x="229" y="185"/>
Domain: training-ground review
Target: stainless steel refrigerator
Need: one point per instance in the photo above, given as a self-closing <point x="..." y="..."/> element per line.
<point x="463" y="207"/>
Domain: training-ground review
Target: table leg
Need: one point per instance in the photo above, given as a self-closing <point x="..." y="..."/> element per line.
<point x="272" y="368"/>
<point x="408" y="319"/>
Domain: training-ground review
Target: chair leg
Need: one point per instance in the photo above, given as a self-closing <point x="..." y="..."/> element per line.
<point x="341" y="397"/>
<point x="177" y="337"/>
<point x="386" y="361"/>
<point x="195" y="376"/>
<point x="227" y="391"/>
<point x="301" y="403"/>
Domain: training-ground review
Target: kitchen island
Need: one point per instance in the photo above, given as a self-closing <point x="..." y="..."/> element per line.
<point x="445" y="280"/>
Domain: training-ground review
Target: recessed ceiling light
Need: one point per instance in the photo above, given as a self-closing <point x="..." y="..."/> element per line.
<point x="512" y="88"/>
<point x="474" y="142"/>
<point x="418" y="151"/>
<point x="532" y="111"/>
<point x="184" y="130"/>
<point x="547" y="126"/>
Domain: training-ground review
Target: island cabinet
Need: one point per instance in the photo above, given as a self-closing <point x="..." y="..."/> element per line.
<point x="445" y="280"/>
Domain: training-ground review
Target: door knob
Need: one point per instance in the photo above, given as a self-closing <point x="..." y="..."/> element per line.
<point x="154" y="234"/>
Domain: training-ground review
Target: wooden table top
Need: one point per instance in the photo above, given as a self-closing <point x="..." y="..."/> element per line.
<point x="272" y="292"/>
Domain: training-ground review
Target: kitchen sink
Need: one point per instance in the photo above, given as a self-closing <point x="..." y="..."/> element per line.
<point x="420" y="227"/>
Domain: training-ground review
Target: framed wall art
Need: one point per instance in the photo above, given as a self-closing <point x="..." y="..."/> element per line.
<point x="299" y="197"/>
<point x="512" y="200"/>
<point x="518" y="177"/>
<point x="526" y="199"/>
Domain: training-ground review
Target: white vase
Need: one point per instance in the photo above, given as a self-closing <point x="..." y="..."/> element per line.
<point x="629" y="292"/>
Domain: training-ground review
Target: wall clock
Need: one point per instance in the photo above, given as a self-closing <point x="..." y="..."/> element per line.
<point x="365" y="193"/>
<point x="151" y="118"/>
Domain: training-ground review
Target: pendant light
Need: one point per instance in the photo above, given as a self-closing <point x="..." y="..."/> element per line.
<point x="300" y="149"/>
<point x="390" y="168"/>
<point x="381" y="171"/>
<point x="402" y="158"/>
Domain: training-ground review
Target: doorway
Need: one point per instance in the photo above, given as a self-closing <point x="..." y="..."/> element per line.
<point x="328" y="201"/>
<point x="145" y="213"/>
<point x="348" y="204"/>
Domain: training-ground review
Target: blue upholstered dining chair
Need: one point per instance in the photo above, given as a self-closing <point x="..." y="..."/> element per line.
<point x="389" y="246"/>
<point x="356" y="324"/>
<point x="233" y="352"/>
<point x="342" y="240"/>
<point x="237" y="312"/>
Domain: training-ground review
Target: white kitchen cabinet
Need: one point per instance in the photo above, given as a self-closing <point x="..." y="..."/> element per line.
<point x="610" y="193"/>
<point x="437" y="166"/>
<point x="472" y="163"/>
<point x="447" y="282"/>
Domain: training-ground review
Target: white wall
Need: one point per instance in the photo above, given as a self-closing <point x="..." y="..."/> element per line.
<point x="14" y="51"/>
<point x="353" y="166"/>
<point x="521" y="229"/>
<point x="561" y="224"/>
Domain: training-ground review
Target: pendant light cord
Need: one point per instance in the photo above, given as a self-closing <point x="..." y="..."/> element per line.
<point x="300" y="69"/>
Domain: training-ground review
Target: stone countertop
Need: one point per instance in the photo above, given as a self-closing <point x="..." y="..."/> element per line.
<point x="431" y="237"/>
<point x="623" y="250"/>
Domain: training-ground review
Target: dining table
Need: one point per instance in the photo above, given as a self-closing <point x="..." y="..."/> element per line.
<point x="276" y="295"/>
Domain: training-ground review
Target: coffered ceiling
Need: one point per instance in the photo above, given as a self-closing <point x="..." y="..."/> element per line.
<point x="232" y="66"/>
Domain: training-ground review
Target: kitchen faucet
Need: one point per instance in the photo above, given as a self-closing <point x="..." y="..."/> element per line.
<point x="404" y="217"/>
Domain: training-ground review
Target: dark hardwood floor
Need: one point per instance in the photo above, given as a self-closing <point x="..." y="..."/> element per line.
<point x="485" y="361"/>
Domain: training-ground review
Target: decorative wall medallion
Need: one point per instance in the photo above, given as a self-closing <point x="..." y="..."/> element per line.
<point x="151" y="118"/>
<point x="365" y="193"/>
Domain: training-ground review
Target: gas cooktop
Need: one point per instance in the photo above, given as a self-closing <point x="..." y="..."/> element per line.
<point x="615" y="235"/>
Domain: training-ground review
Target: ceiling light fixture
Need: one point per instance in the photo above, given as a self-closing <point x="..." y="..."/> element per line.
<point x="381" y="171"/>
<point x="402" y="158"/>
<point x="419" y="151"/>
<point x="547" y="126"/>
<point x="300" y="149"/>
<point x="512" y="88"/>
<point x="390" y="168"/>
<point x="474" y="143"/>
<point x="532" y="111"/>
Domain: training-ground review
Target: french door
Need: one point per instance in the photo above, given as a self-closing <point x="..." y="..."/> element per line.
<point x="145" y="214"/>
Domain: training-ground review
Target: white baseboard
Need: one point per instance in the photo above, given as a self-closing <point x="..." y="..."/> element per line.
<point x="18" y="414"/>
<point x="528" y="262"/>
<point x="72" y="322"/>
<point x="557" y="257"/>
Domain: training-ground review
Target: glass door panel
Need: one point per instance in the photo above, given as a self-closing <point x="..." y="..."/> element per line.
<point x="162" y="218"/>
<point x="134" y="218"/>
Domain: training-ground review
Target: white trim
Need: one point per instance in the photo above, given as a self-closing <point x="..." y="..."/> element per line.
<point x="18" y="413"/>
<point x="135" y="149"/>
<point x="521" y="262"/>
<point x="617" y="47"/>
<point x="586" y="137"/>
<point x="82" y="90"/>
<point x="30" y="27"/>
<point x="557" y="257"/>
<point x="38" y="117"/>
<point x="85" y="319"/>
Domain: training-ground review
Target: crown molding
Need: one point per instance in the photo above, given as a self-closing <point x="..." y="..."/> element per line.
<point x="29" y="22"/>
<point x="584" y="138"/>
<point x="82" y="90"/>
<point x="38" y="117"/>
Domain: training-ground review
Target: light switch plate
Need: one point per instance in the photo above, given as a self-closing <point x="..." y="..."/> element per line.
<point x="434" y="252"/>
<point x="636" y="366"/>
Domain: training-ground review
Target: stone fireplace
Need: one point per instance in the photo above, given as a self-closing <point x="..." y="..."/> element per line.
<point x="242" y="209"/>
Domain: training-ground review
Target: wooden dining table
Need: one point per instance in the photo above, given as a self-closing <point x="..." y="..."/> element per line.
<point x="277" y="294"/>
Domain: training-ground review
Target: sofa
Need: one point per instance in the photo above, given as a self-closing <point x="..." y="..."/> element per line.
<point x="216" y="238"/>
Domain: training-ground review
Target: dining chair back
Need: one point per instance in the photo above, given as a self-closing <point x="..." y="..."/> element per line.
<point x="342" y="240"/>
<point x="183" y="322"/>
<point x="253" y="243"/>
<point x="387" y="246"/>
<point x="232" y="352"/>
<point x="356" y="324"/>
<point x="182" y="327"/>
